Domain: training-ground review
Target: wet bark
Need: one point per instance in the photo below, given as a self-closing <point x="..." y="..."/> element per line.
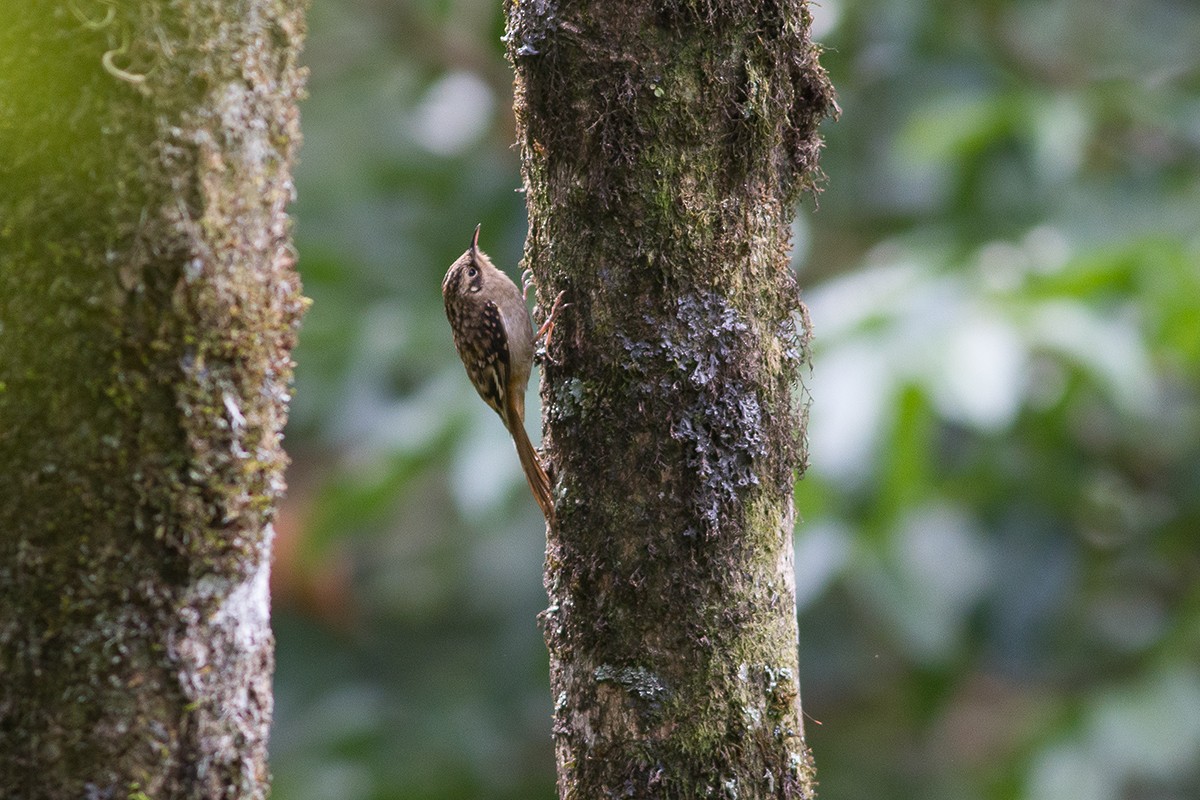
<point x="664" y="147"/>
<point x="148" y="305"/>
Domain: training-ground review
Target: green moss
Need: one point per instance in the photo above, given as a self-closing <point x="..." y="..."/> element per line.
<point x="126" y="475"/>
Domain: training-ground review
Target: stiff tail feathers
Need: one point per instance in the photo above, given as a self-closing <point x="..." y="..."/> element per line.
<point x="539" y="482"/>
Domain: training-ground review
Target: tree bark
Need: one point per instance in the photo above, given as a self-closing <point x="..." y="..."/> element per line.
<point x="148" y="305"/>
<point x="664" y="147"/>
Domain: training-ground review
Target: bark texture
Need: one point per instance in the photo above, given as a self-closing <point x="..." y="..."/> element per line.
<point x="665" y="145"/>
<point x="148" y="305"/>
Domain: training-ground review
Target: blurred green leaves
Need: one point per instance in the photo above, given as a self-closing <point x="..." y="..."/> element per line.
<point x="1005" y="380"/>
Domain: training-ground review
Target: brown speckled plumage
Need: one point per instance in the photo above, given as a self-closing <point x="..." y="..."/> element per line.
<point x="493" y="334"/>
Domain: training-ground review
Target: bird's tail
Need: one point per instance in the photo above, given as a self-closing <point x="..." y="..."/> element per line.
<point x="539" y="482"/>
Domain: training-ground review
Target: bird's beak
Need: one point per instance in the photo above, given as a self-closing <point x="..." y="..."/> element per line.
<point x="475" y="241"/>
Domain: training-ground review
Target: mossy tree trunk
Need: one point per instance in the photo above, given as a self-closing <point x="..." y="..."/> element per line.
<point x="665" y="145"/>
<point x="148" y="304"/>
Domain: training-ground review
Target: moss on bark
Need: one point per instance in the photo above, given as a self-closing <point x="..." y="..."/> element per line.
<point x="664" y="147"/>
<point x="148" y="305"/>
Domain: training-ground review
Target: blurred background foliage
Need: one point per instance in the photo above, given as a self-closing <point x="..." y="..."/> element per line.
<point x="999" y="555"/>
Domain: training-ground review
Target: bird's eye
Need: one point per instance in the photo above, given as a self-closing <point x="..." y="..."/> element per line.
<point x="472" y="272"/>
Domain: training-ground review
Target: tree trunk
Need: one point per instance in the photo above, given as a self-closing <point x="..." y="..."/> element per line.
<point x="664" y="148"/>
<point x="148" y="304"/>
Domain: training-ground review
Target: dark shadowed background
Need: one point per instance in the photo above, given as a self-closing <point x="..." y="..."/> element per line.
<point x="998" y="565"/>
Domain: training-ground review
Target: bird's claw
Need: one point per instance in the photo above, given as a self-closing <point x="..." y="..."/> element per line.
<point x="547" y="328"/>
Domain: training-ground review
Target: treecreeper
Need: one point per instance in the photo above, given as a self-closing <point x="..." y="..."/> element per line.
<point x="494" y="336"/>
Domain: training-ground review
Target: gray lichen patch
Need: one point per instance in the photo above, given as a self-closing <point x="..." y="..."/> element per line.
<point x="640" y="683"/>
<point x="530" y="24"/>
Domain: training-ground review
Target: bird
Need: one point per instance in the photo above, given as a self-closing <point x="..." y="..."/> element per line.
<point x="494" y="337"/>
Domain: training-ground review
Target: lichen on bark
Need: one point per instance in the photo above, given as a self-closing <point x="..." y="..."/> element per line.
<point x="664" y="148"/>
<point x="148" y="306"/>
